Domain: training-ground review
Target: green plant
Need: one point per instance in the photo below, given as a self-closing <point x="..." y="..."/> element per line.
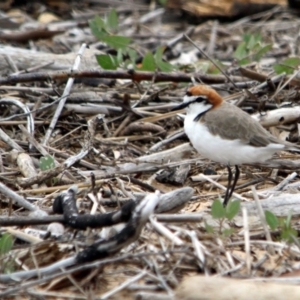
<point x="284" y="226"/>
<point x="162" y="2"/>
<point x="47" y="162"/>
<point x="287" y="66"/>
<point x="106" y="29"/>
<point x="251" y="48"/>
<point x="222" y="214"/>
<point x="207" y="67"/>
<point x="6" y="244"/>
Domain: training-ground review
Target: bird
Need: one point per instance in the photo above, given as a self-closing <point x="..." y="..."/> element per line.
<point x="224" y="133"/>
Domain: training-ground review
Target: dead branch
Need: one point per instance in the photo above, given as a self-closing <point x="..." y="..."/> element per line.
<point x="133" y="75"/>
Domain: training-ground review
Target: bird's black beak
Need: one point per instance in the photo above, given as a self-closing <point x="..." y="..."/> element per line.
<point x="180" y="106"/>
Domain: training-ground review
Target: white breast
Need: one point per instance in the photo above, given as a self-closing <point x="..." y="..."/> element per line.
<point x="224" y="151"/>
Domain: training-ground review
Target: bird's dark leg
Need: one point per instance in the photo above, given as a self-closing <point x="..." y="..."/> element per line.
<point x="236" y="178"/>
<point x="228" y="192"/>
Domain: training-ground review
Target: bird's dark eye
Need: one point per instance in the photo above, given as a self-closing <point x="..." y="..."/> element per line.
<point x="189" y="94"/>
<point x="201" y="99"/>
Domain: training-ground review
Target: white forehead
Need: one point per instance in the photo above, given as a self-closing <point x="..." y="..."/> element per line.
<point x="187" y="98"/>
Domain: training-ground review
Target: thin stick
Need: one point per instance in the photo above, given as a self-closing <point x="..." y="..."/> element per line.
<point x="220" y="186"/>
<point x="123" y="285"/>
<point x="263" y="220"/>
<point x="212" y="61"/>
<point x="247" y="240"/>
<point x="64" y="96"/>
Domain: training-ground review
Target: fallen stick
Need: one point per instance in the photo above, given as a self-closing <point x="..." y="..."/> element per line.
<point x="211" y="288"/>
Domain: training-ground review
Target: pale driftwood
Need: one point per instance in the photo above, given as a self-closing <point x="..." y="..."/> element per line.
<point x="152" y="296"/>
<point x="130" y="168"/>
<point x="174" y="200"/>
<point x="92" y="109"/>
<point x="28" y="238"/>
<point x="26" y="166"/>
<point x="8" y="140"/>
<point x="164" y="231"/>
<point x="25" y="59"/>
<point x="280" y="164"/>
<point x="278" y="116"/>
<point x="211" y="288"/>
<point x="172" y="154"/>
<point x="169" y="158"/>
<point x="280" y="205"/>
<point x="16" y="199"/>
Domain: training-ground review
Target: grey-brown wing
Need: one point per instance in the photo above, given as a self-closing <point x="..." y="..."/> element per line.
<point x="236" y="124"/>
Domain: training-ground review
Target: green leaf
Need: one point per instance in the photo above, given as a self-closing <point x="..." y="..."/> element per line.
<point x="148" y="63"/>
<point x="244" y="61"/>
<point x="214" y="70"/>
<point x="246" y="37"/>
<point x="160" y="63"/>
<point x="165" y="66"/>
<point x="159" y="53"/>
<point x="241" y="51"/>
<point x="107" y="62"/>
<point x="292" y="61"/>
<point x="287" y="65"/>
<point x="280" y="69"/>
<point x="116" y="41"/>
<point x="271" y="219"/>
<point x="132" y="54"/>
<point x="228" y="232"/>
<point x="120" y="57"/>
<point x="162" y="2"/>
<point x="289" y="235"/>
<point x="232" y="209"/>
<point x="218" y="211"/>
<point x="209" y="228"/>
<point x="97" y="26"/>
<point x="288" y="219"/>
<point x="6" y="243"/>
<point x="112" y="20"/>
<point x="204" y="66"/>
<point x="281" y="222"/>
<point x="47" y="162"/>
<point x="262" y="51"/>
<point x="253" y="41"/>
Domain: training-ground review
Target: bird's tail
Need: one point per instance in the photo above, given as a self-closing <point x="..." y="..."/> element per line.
<point x="292" y="147"/>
